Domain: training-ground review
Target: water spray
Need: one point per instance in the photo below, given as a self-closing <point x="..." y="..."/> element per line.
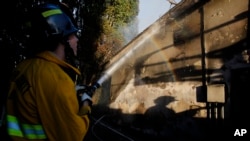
<point x="108" y="73"/>
<point x="115" y="66"/>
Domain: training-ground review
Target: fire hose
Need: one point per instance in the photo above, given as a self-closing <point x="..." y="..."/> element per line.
<point x="90" y="90"/>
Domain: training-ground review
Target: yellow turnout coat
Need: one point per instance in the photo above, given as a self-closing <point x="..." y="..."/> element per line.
<point x="42" y="102"/>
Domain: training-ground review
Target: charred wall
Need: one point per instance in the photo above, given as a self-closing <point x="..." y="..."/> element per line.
<point x="181" y="73"/>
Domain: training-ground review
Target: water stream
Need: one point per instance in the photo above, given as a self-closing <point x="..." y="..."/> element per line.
<point x="115" y="66"/>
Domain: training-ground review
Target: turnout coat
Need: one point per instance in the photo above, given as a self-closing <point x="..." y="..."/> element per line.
<point x="42" y="102"/>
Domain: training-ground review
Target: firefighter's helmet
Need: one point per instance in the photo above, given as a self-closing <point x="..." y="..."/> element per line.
<point x="50" y="24"/>
<point x="53" y="20"/>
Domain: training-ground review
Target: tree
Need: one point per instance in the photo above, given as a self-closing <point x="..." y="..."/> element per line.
<point x="102" y="37"/>
<point x="99" y="21"/>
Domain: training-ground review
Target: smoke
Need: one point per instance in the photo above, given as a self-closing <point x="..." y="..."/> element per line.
<point x="130" y="31"/>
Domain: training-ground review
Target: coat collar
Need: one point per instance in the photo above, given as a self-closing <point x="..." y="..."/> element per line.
<point x="47" y="55"/>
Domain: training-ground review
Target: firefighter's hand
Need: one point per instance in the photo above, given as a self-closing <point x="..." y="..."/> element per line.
<point x="86" y="99"/>
<point x="84" y="110"/>
<point x="86" y="103"/>
<point x="80" y="87"/>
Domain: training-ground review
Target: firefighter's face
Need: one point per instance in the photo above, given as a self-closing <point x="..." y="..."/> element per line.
<point x="73" y="42"/>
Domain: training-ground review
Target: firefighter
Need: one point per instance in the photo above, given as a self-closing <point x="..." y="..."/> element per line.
<point x="42" y="103"/>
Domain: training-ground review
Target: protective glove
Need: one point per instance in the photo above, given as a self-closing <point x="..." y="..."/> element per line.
<point x="86" y="92"/>
<point x="80" y="87"/>
<point x="85" y="104"/>
<point x="82" y="91"/>
<point x="85" y="97"/>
